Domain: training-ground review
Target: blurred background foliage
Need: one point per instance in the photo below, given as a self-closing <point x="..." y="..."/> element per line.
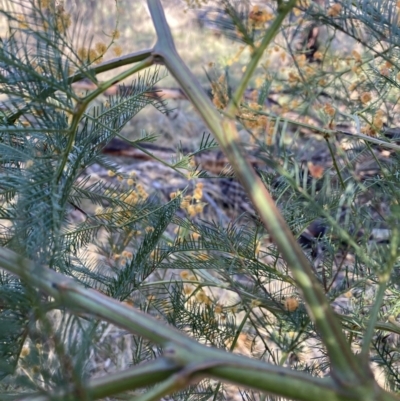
<point x="146" y="209"/>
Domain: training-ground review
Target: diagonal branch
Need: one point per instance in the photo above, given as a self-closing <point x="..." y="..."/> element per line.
<point x="136" y="377"/>
<point x="180" y="350"/>
<point x="345" y="365"/>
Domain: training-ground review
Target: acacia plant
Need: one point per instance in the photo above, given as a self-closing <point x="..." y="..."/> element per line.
<point x="280" y="283"/>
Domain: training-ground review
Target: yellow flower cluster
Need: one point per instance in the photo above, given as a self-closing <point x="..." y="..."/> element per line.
<point x="100" y="48"/>
<point x="136" y="195"/>
<point x="62" y="19"/>
<point x="258" y="123"/>
<point x="123" y="258"/>
<point x="22" y="23"/>
<point x="329" y="109"/>
<point x="130" y="197"/>
<point x="376" y="125"/>
<point x="117" y="50"/>
<point x="94" y="55"/>
<point x="219" y="91"/>
<point x="258" y="17"/>
<point x="196" y="295"/>
<point x="236" y="57"/>
<point x="291" y="304"/>
<point x="335" y="10"/>
<point x="365" y="97"/>
<point x="191" y="203"/>
<point x="200" y="296"/>
<point x="45" y="3"/>
<point x="116" y="34"/>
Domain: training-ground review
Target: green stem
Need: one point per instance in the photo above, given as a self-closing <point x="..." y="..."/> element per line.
<point x="82" y="105"/>
<point x="384" y="277"/>
<point x="335" y="164"/>
<point x="328" y="132"/>
<point x="109" y="385"/>
<point x="233" y="345"/>
<point x="106" y="66"/>
<point x="346" y="367"/>
<point x="171" y="385"/>
<point x="256" y="56"/>
<point x="112" y="64"/>
<point x="370" y="329"/>
<point x="179" y="348"/>
<point x="78" y="298"/>
<point x="153" y="156"/>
